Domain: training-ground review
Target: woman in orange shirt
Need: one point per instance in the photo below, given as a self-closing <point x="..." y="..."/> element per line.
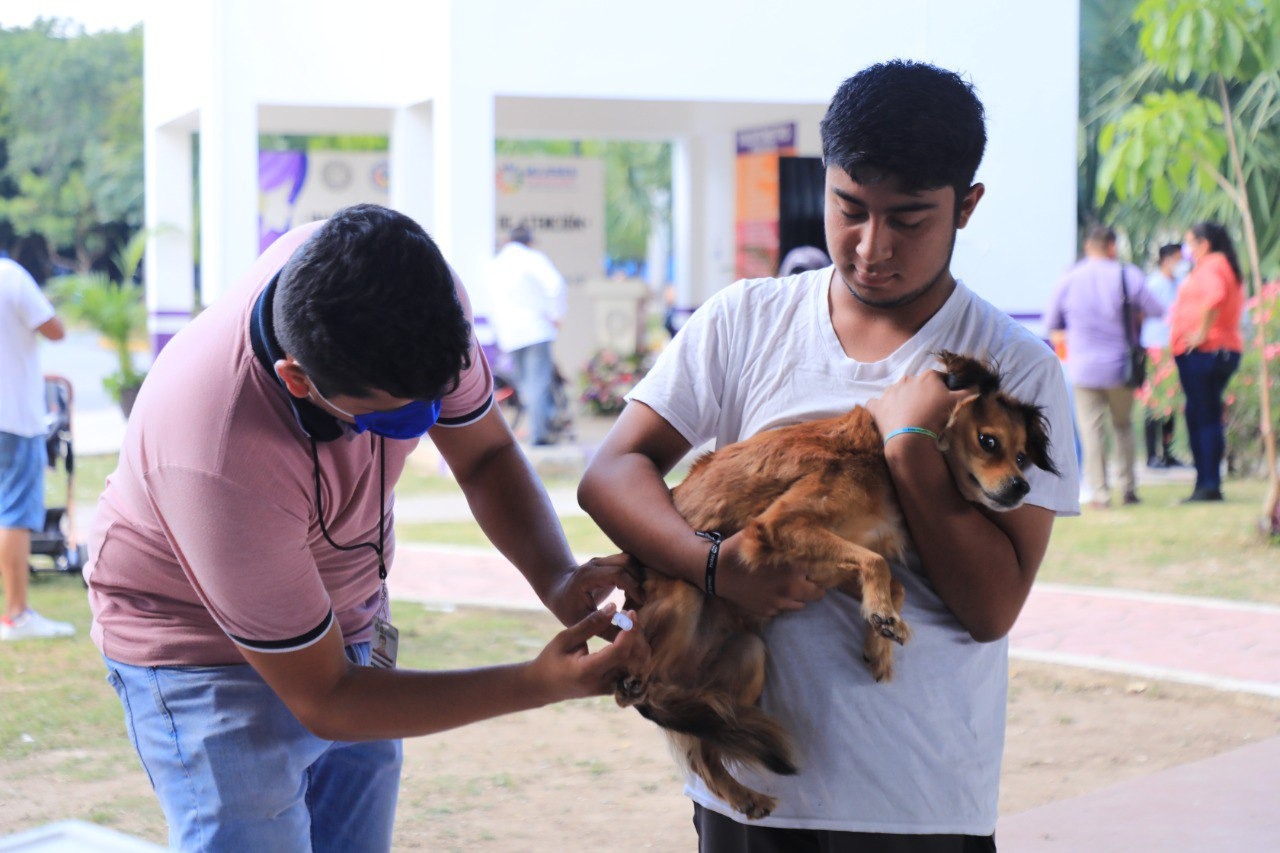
<point x="1204" y="334"/>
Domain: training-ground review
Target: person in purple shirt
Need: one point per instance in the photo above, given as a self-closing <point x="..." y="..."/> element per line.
<point x="1087" y="312"/>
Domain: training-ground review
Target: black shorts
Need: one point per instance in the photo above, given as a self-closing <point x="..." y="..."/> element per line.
<point x="720" y="834"/>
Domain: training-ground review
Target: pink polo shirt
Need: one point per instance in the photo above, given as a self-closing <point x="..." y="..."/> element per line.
<point x="206" y="537"/>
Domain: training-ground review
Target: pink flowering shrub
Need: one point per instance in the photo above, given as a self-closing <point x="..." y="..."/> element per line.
<point x="1243" y="398"/>
<point x="608" y="377"/>
<point x="1161" y="395"/>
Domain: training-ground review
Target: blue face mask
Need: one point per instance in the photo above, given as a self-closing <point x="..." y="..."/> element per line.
<point x="412" y="420"/>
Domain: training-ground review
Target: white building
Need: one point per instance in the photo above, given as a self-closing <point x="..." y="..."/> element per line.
<point x="443" y="78"/>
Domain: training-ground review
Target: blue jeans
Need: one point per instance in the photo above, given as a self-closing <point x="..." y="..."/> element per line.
<point x="22" y="461"/>
<point x="1204" y="377"/>
<point x="535" y="371"/>
<point x="234" y="769"/>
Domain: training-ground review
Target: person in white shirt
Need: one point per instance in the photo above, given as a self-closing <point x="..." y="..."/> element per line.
<point x="526" y="299"/>
<point x="913" y="764"/>
<point x="1163" y="284"/>
<point x="25" y="315"/>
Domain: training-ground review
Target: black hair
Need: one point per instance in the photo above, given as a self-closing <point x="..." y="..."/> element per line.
<point x="368" y="304"/>
<point x="1100" y="235"/>
<point x="1219" y="241"/>
<point x="912" y="121"/>
<point x="1168" y="250"/>
<point x="521" y="234"/>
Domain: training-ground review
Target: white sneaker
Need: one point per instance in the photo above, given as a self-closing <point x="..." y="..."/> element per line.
<point x="31" y="625"/>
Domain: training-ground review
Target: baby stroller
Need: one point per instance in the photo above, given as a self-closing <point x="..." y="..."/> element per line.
<point x="57" y="542"/>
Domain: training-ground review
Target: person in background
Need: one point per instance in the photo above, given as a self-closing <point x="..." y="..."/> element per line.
<point x="1163" y="284"/>
<point x="1204" y="334"/>
<point x="912" y="765"/>
<point x="1087" y="309"/>
<point x="25" y="317"/>
<point x="526" y="299"/>
<point x="802" y="259"/>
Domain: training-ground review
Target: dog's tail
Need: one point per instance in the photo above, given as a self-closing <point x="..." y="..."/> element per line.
<point x="744" y="733"/>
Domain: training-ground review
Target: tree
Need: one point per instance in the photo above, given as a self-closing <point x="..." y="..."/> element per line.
<point x="73" y="138"/>
<point x="1212" y="136"/>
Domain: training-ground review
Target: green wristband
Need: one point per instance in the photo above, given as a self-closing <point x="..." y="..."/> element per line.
<point x="915" y="430"/>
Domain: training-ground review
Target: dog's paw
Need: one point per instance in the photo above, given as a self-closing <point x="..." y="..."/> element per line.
<point x="757" y="806"/>
<point x="881" y="666"/>
<point x="629" y="690"/>
<point x="877" y="651"/>
<point x="890" y="626"/>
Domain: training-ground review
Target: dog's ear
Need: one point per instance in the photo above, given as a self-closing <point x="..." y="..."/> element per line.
<point x="962" y="371"/>
<point x="1038" y="437"/>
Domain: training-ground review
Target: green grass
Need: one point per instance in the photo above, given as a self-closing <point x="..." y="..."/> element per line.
<point x="1161" y="545"/>
<point x="583" y="534"/>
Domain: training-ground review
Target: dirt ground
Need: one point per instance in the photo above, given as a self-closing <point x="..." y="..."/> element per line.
<point x="588" y="776"/>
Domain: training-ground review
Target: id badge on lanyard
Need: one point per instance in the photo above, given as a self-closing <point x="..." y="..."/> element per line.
<point x="386" y="639"/>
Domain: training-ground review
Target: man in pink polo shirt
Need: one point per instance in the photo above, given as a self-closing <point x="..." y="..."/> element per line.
<point x="237" y="574"/>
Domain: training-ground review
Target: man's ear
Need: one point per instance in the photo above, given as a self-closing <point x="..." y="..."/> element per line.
<point x="968" y="203"/>
<point x="293" y="377"/>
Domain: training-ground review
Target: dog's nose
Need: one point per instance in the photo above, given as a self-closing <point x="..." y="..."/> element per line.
<point x="1019" y="487"/>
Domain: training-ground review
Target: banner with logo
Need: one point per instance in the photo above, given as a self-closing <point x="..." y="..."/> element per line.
<point x="296" y="187"/>
<point x="561" y="200"/>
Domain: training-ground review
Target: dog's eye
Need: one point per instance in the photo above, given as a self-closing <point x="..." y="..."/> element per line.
<point x="1022" y="461"/>
<point x="988" y="442"/>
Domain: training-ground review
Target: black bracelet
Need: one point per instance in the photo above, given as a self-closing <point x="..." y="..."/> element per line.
<point x="713" y="557"/>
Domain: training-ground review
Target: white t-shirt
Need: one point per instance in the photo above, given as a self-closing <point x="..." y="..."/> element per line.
<point x="920" y="754"/>
<point x="524" y="297"/>
<point x="1155" y="330"/>
<point x="23" y="309"/>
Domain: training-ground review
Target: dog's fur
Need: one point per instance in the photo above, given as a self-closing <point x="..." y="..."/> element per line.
<point x="818" y="495"/>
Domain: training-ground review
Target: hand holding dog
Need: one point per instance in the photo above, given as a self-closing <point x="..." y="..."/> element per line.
<point x="763" y="594"/>
<point x="565" y="669"/>
<point x="922" y="400"/>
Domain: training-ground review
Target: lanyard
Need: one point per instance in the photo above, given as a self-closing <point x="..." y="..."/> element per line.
<point x="382" y="505"/>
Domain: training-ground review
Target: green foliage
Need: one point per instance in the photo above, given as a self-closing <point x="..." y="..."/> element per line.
<point x="1167" y="150"/>
<point x="1170" y="140"/>
<point x="114" y="309"/>
<point x="72" y="129"/>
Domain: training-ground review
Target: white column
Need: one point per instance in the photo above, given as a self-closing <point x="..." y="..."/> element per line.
<point x="228" y="167"/>
<point x="412" y="164"/>
<point x="684" y="200"/>
<point x="169" y="271"/>
<point x="464" y="178"/>
<point x="702" y="216"/>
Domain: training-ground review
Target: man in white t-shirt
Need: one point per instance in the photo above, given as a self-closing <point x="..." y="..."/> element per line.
<point x="25" y="316"/>
<point x="912" y="764"/>
<point x="526" y="301"/>
<point x="1163" y="284"/>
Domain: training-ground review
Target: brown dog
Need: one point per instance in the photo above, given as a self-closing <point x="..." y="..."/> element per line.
<point x="819" y="495"/>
